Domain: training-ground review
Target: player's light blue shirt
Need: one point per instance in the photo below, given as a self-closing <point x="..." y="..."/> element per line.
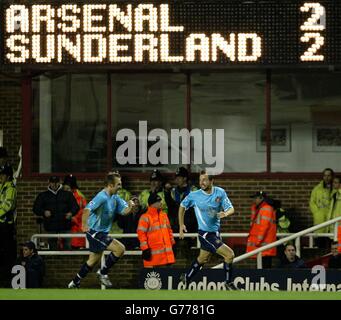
<point x="103" y="209"/>
<point x="207" y="206"/>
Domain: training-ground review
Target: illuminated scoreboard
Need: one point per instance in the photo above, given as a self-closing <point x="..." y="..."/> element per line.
<point x="197" y="32"/>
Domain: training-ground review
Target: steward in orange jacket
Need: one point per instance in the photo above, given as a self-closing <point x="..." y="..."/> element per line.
<point x="70" y="184"/>
<point x="155" y="235"/>
<point x="339" y="237"/>
<point x="263" y="225"/>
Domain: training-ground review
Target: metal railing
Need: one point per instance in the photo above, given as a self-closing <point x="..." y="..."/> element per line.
<point x="285" y="237"/>
<point x="297" y="235"/>
<point x="311" y="237"/>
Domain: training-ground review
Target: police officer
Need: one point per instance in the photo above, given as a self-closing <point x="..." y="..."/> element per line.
<point x="156" y="187"/>
<point x="8" y="196"/>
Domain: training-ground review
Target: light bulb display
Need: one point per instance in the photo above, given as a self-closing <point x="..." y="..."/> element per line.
<point x="223" y="33"/>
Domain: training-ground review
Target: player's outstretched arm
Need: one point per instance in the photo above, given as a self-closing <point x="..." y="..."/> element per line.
<point x="85" y="217"/>
<point x="182" y="227"/>
<point x="224" y="214"/>
<point x="128" y="210"/>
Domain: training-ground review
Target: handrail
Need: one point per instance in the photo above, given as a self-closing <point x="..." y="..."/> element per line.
<point x="176" y="235"/>
<point x="83" y="235"/>
<point x="278" y="242"/>
<point x="82" y="252"/>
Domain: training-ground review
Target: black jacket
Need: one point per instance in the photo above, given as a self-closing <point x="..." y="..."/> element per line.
<point x="173" y="204"/>
<point x="35" y="270"/>
<point x="335" y="262"/>
<point x="128" y="223"/>
<point x="59" y="203"/>
<point x="298" y="263"/>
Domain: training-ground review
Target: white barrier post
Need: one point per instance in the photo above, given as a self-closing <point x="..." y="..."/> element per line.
<point x="335" y="230"/>
<point x="259" y="261"/>
<point x="311" y="242"/>
<point x="298" y="246"/>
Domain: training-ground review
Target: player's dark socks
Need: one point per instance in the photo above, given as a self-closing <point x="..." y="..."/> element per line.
<point x="195" y="267"/>
<point x="109" y="262"/>
<point x="85" y="269"/>
<point x="228" y="272"/>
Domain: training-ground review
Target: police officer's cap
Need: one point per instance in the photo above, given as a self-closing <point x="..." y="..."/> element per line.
<point x="259" y="194"/>
<point x="7" y="170"/>
<point x="181" y="172"/>
<point x="71" y="181"/>
<point x="156" y="175"/>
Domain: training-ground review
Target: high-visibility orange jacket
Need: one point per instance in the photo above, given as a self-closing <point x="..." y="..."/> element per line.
<point x="76" y="223"/>
<point x="263" y="229"/>
<point x="339" y="237"/>
<point x="154" y="232"/>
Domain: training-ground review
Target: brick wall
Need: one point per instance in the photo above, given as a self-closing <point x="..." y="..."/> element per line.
<point x="10" y="113"/>
<point x="294" y="193"/>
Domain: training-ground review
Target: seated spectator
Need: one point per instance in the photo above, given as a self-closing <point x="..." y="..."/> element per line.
<point x="335" y="257"/>
<point x="57" y="207"/>
<point x="128" y="223"/>
<point x="34" y="265"/>
<point x="291" y="260"/>
<point x="70" y="184"/>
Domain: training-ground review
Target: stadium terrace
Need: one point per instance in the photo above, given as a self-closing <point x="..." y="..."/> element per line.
<point x="108" y="33"/>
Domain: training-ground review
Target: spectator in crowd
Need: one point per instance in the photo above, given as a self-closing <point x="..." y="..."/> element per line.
<point x="156" y="186"/>
<point x="97" y="222"/>
<point x="282" y="217"/>
<point x="175" y="195"/>
<point x="57" y="207"/>
<point x="263" y="228"/>
<point x="155" y="235"/>
<point x="8" y="199"/>
<point x="335" y="257"/>
<point x="70" y="184"/>
<point x="129" y="223"/>
<point x="124" y="193"/>
<point x="291" y="260"/>
<point x="34" y="265"/>
<point x="335" y="204"/>
<point x="320" y="200"/>
<point x="283" y="223"/>
<point x="4" y="160"/>
<point x="126" y="196"/>
<point x="335" y="210"/>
